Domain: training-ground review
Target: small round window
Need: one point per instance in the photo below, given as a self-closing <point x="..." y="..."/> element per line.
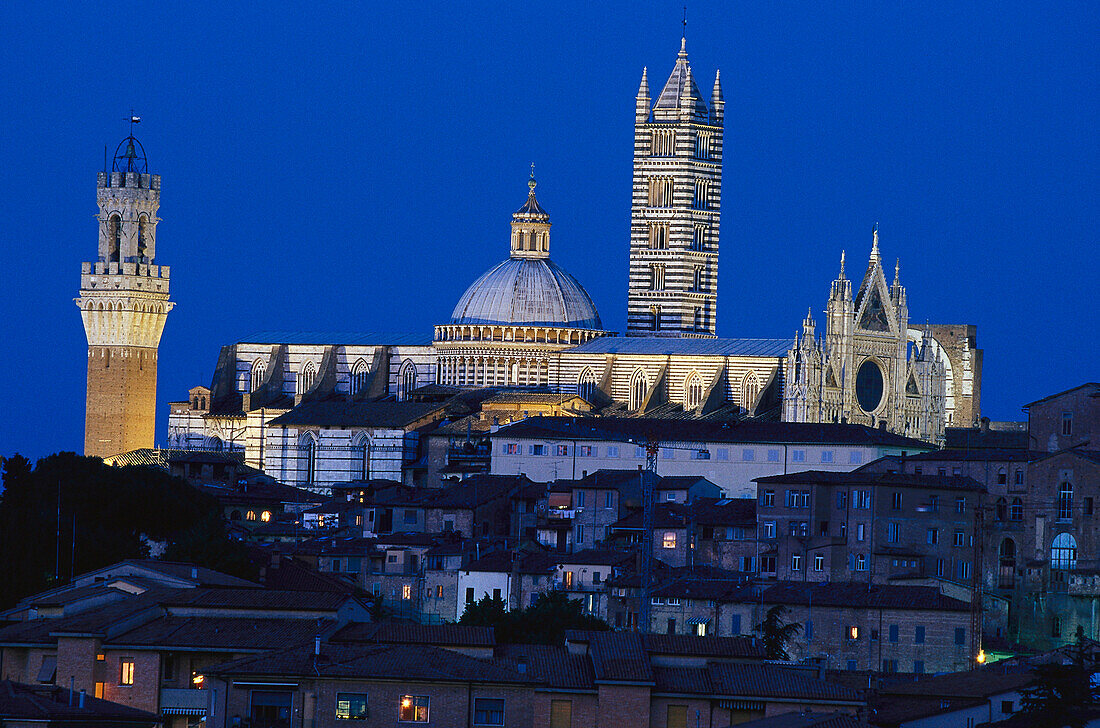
<point x="869" y="386"/>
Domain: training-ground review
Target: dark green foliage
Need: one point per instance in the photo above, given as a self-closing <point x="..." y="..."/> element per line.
<point x="116" y="512"/>
<point x="1063" y="695"/>
<point x="544" y="622"/>
<point x="776" y="633"/>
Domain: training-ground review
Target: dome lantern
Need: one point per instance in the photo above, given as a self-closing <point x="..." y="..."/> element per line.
<point x="531" y="226"/>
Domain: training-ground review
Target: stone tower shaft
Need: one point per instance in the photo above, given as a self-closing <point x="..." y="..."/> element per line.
<point x="675" y="207"/>
<point x="124" y="304"/>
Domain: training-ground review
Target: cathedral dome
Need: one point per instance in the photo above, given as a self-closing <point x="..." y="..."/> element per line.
<point x="527" y="291"/>
<point x="528" y="288"/>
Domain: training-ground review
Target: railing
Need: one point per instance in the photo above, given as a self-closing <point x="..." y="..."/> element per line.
<point x="561" y="513"/>
<point x="183" y="701"/>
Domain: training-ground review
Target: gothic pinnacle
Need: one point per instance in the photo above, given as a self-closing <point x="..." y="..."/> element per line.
<point x="716" y="94"/>
<point x="875" y="255"/>
<point x="643" y="87"/>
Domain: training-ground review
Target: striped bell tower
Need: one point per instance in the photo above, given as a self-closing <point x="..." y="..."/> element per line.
<point x="124" y="304"/>
<point x="673" y="289"/>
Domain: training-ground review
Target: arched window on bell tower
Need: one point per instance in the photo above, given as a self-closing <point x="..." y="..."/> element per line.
<point x="143" y="237"/>
<point x="114" y="238"/>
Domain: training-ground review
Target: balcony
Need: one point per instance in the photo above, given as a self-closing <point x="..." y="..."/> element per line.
<point x="553" y="513"/>
<point x="183" y="701"/>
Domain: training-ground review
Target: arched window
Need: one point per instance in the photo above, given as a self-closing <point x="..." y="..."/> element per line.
<point x="586" y="385"/>
<point x="1007" y="552"/>
<point x="215" y="444"/>
<point x="360" y="453"/>
<point x="655" y="317"/>
<point x="407" y="380"/>
<point x="701" y="200"/>
<point x="698" y="318"/>
<point x="693" y="391"/>
<point x="664" y="143"/>
<point x="1001" y="509"/>
<point x="259" y="372"/>
<point x="235" y="516"/>
<point x="750" y="391"/>
<point x="358" y="376"/>
<point x="660" y="192"/>
<point x="1016" y="513"/>
<point x="639" y="385"/>
<point x="1063" y="552"/>
<point x="114" y="238"/>
<point x="307" y="459"/>
<point x="699" y="237"/>
<point x="250" y="516"/>
<point x="1065" y="500"/>
<point x="265" y="516"/>
<point x="143" y="235"/>
<point x="306" y="377"/>
<point x="658" y="235"/>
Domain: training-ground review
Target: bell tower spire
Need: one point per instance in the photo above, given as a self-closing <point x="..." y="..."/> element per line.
<point x="675" y="207"/>
<point x="124" y="304"/>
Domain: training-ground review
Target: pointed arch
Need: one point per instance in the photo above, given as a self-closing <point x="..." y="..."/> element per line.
<point x="143" y="236"/>
<point x="750" y="391"/>
<point x="306" y="375"/>
<point x="406" y="380"/>
<point x="1007" y="562"/>
<point x="360" y="453"/>
<point x="693" y="391"/>
<point x="259" y="373"/>
<point x="359" y="372"/>
<point x="586" y="384"/>
<point x="307" y="458"/>
<point x="639" y="385"/>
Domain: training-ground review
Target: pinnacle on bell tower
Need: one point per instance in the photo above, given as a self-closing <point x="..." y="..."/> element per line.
<point x="124" y="303"/>
<point x="675" y="207"/>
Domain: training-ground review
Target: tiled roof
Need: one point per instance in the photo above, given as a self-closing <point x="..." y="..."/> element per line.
<point x="346" y="338"/>
<point x="979" y="683"/>
<point x="721" y="589"/>
<point x="894" y="711"/>
<point x="293" y="575"/>
<point x="1094" y="386"/>
<point x="807" y="719"/>
<point x="53" y="705"/>
<point x="683" y="644"/>
<point x="92" y="621"/>
<point x="724" y="511"/>
<point x="475" y="490"/>
<point x="769" y="348"/>
<point x="330" y="413"/>
<point x="976" y="438"/>
<point x="257" y="599"/>
<point x="750" y="681"/>
<point x="599" y="557"/>
<point x="405" y="662"/>
<point x="450" y="635"/>
<point x="980" y="455"/>
<point x="665" y="515"/>
<point x="199" y="575"/>
<point x="619" y="657"/>
<point x="212" y="632"/>
<point x="504" y="561"/>
<point x="774" y="681"/>
<point x="552" y="665"/>
<point x="859" y="477"/>
<point x="637" y="429"/>
<point x="857" y="594"/>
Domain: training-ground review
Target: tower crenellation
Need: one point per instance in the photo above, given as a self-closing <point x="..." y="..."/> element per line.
<point x="124" y="304"/>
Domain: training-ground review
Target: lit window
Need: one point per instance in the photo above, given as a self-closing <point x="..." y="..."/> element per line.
<point x="1065" y="501"/>
<point x="853" y="633"/>
<point x="126" y="673"/>
<point x="488" y="711"/>
<point x="669" y="540"/>
<point x="250" y="516"/>
<point x="100" y="657"/>
<point x="413" y="709"/>
<point x="406" y="591"/>
<point x="265" y="516"/>
<point x="796" y="562"/>
<point x="351" y="706"/>
<point x="1063" y="552"/>
<point x="819" y="562"/>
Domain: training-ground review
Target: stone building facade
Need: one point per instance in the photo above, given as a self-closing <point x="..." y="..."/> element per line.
<point x="871" y="368"/>
<point x="124" y="304"/>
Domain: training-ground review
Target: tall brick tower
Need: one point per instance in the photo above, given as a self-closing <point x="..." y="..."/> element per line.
<point x="124" y="303"/>
<point x="674" y="212"/>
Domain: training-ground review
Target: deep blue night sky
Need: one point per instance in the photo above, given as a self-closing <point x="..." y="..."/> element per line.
<point x="354" y="167"/>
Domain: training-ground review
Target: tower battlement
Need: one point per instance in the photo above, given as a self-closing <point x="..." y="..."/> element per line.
<point x="128" y="180"/>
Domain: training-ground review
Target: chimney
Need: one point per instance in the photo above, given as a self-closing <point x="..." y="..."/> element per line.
<point x="81" y="698"/>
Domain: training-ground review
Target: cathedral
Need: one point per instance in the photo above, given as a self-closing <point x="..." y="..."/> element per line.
<point x="318" y="408"/>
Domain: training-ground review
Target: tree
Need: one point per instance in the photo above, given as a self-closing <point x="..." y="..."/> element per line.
<point x="1063" y="695"/>
<point x="544" y="622"/>
<point x="776" y="633"/>
<point x="70" y="514"/>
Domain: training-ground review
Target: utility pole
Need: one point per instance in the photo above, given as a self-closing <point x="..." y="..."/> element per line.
<point x="651" y="449"/>
<point x="976" y="606"/>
